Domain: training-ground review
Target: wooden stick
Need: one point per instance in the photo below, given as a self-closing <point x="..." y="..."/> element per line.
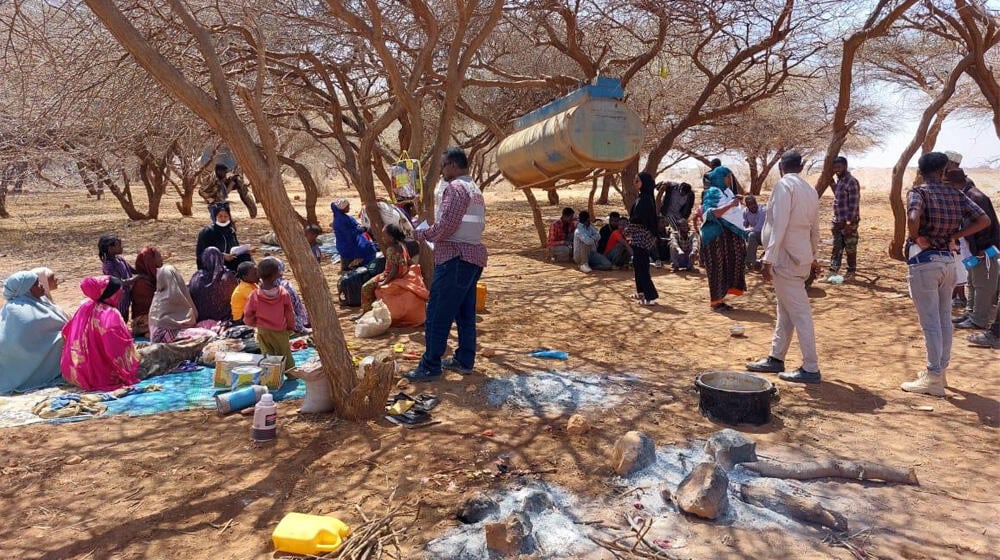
<point x="837" y="468"/>
<point x="799" y="504"/>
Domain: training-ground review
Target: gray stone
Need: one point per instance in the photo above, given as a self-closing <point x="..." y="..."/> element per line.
<point x="730" y="447"/>
<point x="704" y="491"/>
<point x="537" y="501"/>
<point x="633" y="452"/>
<point x="511" y="537"/>
<point x="476" y="509"/>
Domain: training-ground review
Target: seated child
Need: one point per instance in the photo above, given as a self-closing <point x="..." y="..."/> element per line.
<point x="269" y="310"/>
<point x="246" y="272"/>
<point x="312" y="232"/>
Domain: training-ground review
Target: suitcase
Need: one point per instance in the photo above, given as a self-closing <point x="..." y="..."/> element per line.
<point x="349" y="286"/>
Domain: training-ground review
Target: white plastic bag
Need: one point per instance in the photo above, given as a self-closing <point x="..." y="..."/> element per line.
<point x="374" y="323"/>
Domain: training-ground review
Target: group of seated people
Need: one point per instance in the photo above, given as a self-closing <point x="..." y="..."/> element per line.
<point x="575" y="237"/>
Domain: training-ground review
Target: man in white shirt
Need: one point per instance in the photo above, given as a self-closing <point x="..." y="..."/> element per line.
<point x="790" y="238"/>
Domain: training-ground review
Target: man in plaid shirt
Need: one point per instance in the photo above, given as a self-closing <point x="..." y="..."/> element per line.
<point x="459" y="259"/>
<point x="846" y="214"/>
<point x="934" y="218"/>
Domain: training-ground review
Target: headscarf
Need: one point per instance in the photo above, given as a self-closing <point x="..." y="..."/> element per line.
<point x="172" y="307"/>
<point x="647" y="184"/>
<point x="44" y="276"/>
<point x="31" y="340"/>
<point x="717" y="177"/>
<point x="216" y="207"/>
<point x="19" y="284"/>
<point x="643" y="211"/>
<point x="145" y="281"/>
<point x="340" y="204"/>
<point x="215" y="265"/>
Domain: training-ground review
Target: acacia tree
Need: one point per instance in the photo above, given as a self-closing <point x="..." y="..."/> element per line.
<point x="879" y="22"/>
<point x="234" y="110"/>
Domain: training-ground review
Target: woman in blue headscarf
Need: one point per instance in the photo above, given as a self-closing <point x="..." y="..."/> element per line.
<point x="31" y="339"/>
<point x="723" y="239"/>
<point x="355" y="249"/>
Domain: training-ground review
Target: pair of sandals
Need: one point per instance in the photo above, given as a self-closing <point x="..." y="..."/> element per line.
<point x="413" y="410"/>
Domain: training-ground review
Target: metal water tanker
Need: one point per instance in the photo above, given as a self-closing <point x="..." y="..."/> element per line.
<point x="591" y="128"/>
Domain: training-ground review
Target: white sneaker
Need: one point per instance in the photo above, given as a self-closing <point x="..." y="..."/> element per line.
<point x="925" y="384"/>
<point x="585" y="268"/>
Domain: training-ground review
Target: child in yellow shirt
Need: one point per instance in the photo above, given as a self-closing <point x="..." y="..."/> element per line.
<point x="248" y="276"/>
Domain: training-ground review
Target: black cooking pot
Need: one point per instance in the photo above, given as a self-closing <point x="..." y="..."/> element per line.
<point x="735" y="398"/>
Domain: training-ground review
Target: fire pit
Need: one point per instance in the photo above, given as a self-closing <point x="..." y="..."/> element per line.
<point x="735" y="398"/>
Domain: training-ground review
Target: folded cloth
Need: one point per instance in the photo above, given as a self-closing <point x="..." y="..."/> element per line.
<point x="83" y="404"/>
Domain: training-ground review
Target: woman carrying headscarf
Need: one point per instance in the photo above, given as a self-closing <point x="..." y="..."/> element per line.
<point x="212" y="287"/>
<point x="354" y="247"/>
<point x="642" y="231"/>
<point x="220" y="234"/>
<point x="172" y="308"/>
<point x="723" y="240"/>
<point x="147" y="263"/>
<point x="99" y="354"/>
<point x="31" y="339"/>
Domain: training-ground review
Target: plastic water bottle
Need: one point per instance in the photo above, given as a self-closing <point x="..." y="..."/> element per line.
<point x="550" y="354"/>
<point x="265" y="420"/>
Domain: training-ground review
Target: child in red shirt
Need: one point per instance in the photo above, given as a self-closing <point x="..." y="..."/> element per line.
<point x="269" y="310"/>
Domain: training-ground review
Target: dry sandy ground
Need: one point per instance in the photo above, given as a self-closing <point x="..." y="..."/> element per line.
<point x="189" y="485"/>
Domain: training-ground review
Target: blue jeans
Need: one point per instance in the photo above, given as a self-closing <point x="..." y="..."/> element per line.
<point x="453" y="300"/>
<point x="931" y="284"/>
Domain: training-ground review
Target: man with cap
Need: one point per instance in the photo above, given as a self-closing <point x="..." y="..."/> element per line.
<point x="846" y="214"/>
<point x="790" y="239"/>
<point x="984" y="277"/>
<point x="935" y="214"/>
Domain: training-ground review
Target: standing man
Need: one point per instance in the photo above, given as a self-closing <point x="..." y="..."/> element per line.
<point x="846" y="215"/>
<point x="791" y="237"/>
<point x="459" y="259"/>
<point x="981" y="287"/>
<point x="753" y="220"/>
<point x="934" y="217"/>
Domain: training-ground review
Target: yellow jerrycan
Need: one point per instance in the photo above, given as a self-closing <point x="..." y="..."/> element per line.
<point x="300" y="533"/>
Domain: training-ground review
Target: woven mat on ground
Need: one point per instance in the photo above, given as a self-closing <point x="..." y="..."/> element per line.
<point x="180" y="391"/>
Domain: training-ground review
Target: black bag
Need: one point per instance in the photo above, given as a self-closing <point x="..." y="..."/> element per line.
<point x="349" y="286"/>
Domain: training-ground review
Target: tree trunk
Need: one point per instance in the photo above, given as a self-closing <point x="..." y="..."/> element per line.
<point x="536" y="215"/>
<point x="553" y="196"/>
<point x="605" y="189"/>
<point x="935" y="130"/>
<point x="3" y="200"/>
<point x="246" y="195"/>
<point x="629" y="192"/>
<point x="308" y="183"/>
<point x="590" y="199"/>
<point x="899" y="170"/>
<point x="874" y="27"/>
<point x="186" y="204"/>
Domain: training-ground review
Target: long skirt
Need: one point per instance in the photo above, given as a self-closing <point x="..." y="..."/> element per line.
<point x="724" y="260"/>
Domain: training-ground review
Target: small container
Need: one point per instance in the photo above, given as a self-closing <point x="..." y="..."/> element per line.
<point x="480" y="297"/>
<point x="265" y="420"/>
<point x="235" y="401"/>
<point x="992" y="252"/>
<point x="970" y="262"/>
<point x="309" y="535"/>
<point x="244" y="376"/>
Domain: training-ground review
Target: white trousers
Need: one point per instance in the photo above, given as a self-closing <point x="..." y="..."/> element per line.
<point x="794" y="316"/>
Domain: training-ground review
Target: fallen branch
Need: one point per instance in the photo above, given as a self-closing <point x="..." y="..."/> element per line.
<point x="798" y="504"/>
<point x="837" y="468"/>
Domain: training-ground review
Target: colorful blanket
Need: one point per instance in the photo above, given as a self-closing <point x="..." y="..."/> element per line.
<point x="179" y="391"/>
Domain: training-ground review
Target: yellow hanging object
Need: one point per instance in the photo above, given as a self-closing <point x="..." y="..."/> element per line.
<point x="664" y="72"/>
<point x="300" y="533"/>
<point x="398" y="348"/>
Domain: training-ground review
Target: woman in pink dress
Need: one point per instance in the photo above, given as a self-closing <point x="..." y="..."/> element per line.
<point x="99" y="354"/>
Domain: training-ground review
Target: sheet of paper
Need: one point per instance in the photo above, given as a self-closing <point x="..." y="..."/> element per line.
<point x="239" y="250"/>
